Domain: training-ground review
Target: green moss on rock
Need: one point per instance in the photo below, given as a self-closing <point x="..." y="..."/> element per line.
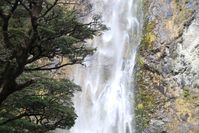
<point x="182" y="16"/>
<point x="149" y="36"/>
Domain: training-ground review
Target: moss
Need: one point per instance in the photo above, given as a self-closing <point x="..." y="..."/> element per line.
<point x="177" y="1"/>
<point x="150" y="39"/>
<point x="150" y="26"/>
<point x="149" y="36"/>
<point x="182" y="12"/>
<point x="146" y="4"/>
<point x="140" y="60"/>
<point x="182" y="16"/>
<point x="145" y="98"/>
<point x="187" y="1"/>
<point x="186" y="93"/>
<point x="140" y="106"/>
<point x="186" y="110"/>
<point x="145" y="103"/>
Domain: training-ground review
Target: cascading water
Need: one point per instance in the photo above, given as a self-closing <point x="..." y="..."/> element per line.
<point x="105" y="104"/>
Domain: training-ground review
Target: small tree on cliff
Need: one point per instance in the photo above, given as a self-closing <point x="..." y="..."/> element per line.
<point x="32" y="30"/>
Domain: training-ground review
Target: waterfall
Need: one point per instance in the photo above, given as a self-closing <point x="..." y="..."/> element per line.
<point x="105" y="104"/>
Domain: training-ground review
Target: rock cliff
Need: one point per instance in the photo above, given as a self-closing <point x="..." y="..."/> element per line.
<point x="167" y="95"/>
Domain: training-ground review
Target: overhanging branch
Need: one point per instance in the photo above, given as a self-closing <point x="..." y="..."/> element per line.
<point x="52" y="68"/>
<point x="19" y="117"/>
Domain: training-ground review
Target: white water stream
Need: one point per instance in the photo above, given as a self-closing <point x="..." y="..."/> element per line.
<point x="105" y="104"/>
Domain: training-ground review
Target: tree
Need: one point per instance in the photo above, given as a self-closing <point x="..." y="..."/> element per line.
<point x="43" y="106"/>
<point x="36" y="29"/>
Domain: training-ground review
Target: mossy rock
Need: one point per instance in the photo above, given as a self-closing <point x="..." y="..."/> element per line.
<point x="182" y="16"/>
<point x="149" y="36"/>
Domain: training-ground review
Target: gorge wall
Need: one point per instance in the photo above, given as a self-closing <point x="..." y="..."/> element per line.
<point x="167" y="95"/>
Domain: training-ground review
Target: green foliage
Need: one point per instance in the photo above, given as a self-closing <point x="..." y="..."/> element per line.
<point x="177" y="1"/>
<point x="186" y="93"/>
<point x="36" y="33"/>
<point x="32" y="31"/>
<point x="148" y="35"/>
<point x="44" y="106"/>
<point x="140" y="61"/>
<point x="145" y="102"/>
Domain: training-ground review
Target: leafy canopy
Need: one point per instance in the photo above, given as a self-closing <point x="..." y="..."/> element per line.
<point x="32" y="31"/>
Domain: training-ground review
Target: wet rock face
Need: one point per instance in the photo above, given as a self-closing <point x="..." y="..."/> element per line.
<point x="169" y="63"/>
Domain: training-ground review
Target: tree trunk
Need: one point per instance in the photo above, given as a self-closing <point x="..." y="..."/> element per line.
<point x="7" y="88"/>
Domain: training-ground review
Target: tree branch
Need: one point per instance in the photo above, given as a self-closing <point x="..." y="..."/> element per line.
<point x="5" y="25"/>
<point x="2" y="13"/>
<point x="49" y="9"/>
<point x="14" y="6"/>
<point x="19" y="117"/>
<point x="21" y="2"/>
<point x="13" y="119"/>
<point x="24" y="85"/>
<point x="53" y="68"/>
<point x="5" y="31"/>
